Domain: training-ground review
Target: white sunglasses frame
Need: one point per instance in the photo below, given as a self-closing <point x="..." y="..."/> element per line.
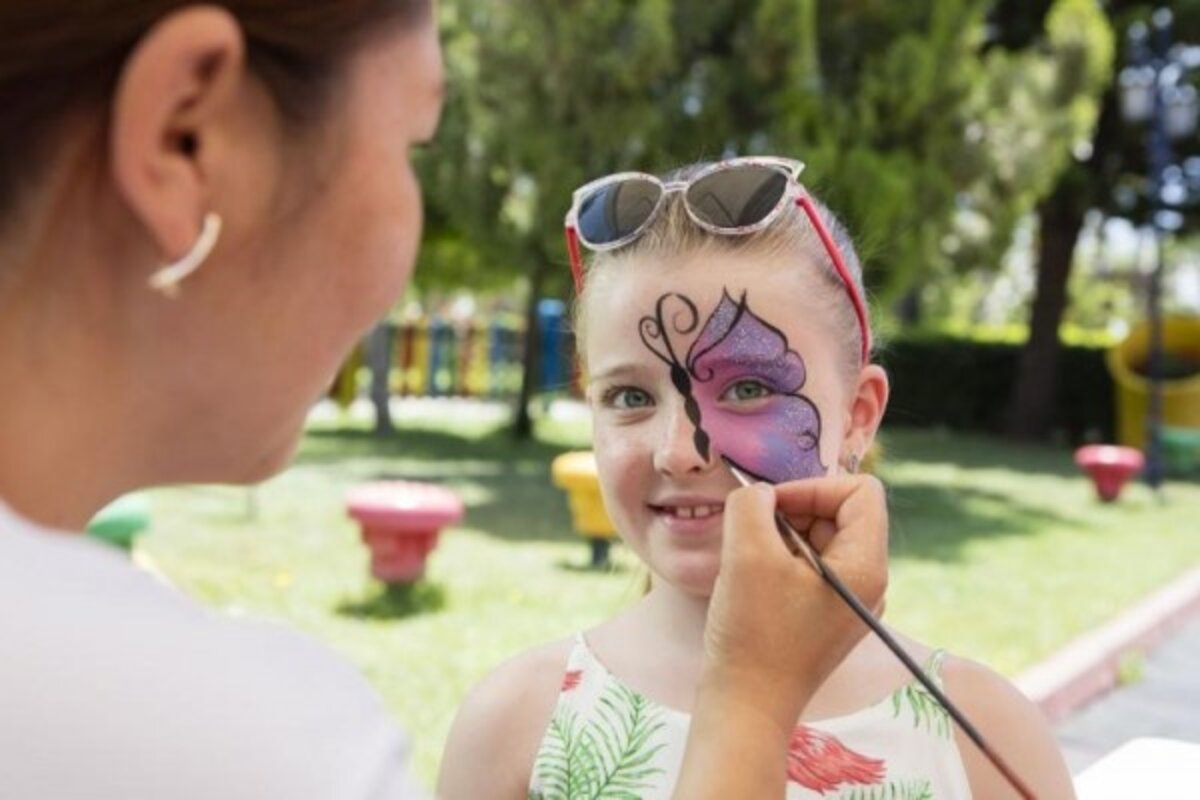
<point x="794" y="193"/>
<point x="790" y="168"/>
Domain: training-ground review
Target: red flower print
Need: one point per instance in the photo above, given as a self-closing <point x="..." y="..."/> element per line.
<point x="572" y="679"/>
<point x="820" y="762"/>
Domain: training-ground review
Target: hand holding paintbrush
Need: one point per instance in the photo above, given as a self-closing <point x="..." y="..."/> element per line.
<point x="764" y="625"/>
<point x="830" y="505"/>
<point x="775" y="633"/>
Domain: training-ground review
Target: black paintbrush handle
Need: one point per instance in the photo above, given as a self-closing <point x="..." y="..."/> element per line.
<point x="794" y="537"/>
<point x="876" y="626"/>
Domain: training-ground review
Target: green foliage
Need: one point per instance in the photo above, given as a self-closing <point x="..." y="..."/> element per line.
<point x="1031" y="110"/>
<point x="960" y="384"/>
<point x="609" y="756"/>
<point x="1097" y="294"/>
<point x="909" y="790"/>
<point x="1131" y="667"/>
<point x="903" y="113"/>
<point x="543" y="95"/>
<point x="926" y="711"/>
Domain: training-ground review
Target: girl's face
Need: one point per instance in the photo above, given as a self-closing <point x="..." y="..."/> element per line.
<point x="711" y="354"/>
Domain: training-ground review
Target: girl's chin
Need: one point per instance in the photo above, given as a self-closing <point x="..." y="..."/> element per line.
<point x="697" y="580"/>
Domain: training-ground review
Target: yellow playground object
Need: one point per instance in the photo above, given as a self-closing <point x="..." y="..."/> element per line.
<point x="575" y="473"/>
<point x="1181" y="396"/>
<point x="345" y="385"/>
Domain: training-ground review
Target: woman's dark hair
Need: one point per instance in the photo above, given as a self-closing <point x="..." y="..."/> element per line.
<point x="62" y="56"/>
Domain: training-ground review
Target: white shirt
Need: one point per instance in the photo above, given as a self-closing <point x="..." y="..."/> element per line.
<point x="113" y="685"/>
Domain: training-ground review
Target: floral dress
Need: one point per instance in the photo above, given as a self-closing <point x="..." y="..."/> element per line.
<point x="605" y="740"/>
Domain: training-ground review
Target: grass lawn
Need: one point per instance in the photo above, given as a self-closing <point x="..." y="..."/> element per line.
<point x="1000" y="553"/>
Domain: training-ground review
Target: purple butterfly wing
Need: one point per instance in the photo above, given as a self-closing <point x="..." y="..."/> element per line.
<point x="777" y="441"/>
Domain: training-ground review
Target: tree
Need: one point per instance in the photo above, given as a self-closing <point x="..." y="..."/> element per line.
<point x="1037" y="105"/>
<point x="878" y="98"/>
<point x="1105" y="175"/>
<point x="544" y="94"/>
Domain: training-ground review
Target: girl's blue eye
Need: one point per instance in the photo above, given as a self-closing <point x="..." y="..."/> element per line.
<point x="747" y="389"/>
<point x="627" y="397"/>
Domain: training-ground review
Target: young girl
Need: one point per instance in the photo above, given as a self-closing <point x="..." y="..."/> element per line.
<point x="722" y="320"/>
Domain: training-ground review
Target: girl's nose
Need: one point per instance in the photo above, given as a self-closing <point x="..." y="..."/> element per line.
<point x="677" y="451"/>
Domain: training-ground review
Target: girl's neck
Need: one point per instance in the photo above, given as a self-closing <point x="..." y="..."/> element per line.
<point x="656" y="646"/>
<point x="675" y="617"/>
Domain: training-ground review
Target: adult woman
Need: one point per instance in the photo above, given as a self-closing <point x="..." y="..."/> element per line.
<point x="201" y="209"/>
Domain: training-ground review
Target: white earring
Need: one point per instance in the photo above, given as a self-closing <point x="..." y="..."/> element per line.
<point x="852" y="463"/>
<point x="167" y="279"/>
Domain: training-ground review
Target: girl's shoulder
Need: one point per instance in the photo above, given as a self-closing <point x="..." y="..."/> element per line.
<point x="526" y="683"/>
<point x="977" y="685"/>
<point x="1012" y="724"/>
<point x="1005" y="717"/>
<point x="495" y="736"/>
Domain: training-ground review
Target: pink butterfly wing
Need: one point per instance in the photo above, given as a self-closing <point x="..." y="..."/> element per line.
<point x="779" y="440"/>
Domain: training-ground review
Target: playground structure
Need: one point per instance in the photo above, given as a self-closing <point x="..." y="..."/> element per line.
<point x="575" y="473"/>
<point x="1180" y="388"/>
<point x="1178" y="419"/>
<point x="438" y="357"/>
<point x="1110" y="467"/>
<point x="401" y="522"/>
<point x="121" y="522"/>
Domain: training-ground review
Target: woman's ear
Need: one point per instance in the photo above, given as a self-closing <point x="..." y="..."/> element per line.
<point x="166" y="113"/>
<point x="867" y="405"/>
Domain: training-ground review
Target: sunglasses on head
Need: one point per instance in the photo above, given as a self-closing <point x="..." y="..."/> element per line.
<point x="735" y="197"/>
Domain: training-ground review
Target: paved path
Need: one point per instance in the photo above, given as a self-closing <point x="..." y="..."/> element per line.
<point x="1164" y="703"/>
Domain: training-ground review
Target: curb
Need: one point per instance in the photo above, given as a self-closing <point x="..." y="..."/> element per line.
<point x="1087" y="666"/>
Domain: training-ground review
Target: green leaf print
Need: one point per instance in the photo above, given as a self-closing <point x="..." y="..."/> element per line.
<point x="610" y="757"/>
<point x="895" y="790"/>
<point x="926" y="711"/>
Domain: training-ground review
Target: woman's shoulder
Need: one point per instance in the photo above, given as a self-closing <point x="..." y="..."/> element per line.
<point x="498" y="728"/>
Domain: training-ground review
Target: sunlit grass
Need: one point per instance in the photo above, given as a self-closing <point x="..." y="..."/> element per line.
<point x="999" y="552"/>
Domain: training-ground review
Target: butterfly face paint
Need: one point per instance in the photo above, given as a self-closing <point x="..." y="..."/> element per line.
<point x="775" y="437"/>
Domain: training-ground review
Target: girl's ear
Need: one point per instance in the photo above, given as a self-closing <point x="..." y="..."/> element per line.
<point x="867" y="405"/>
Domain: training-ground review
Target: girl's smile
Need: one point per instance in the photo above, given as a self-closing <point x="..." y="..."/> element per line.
<point x="689" y="515"/>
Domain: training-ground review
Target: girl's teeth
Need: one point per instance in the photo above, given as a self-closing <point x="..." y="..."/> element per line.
<point x="694" y="512"/>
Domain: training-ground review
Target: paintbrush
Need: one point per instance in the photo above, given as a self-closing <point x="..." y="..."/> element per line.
<point x="797" y="543"/>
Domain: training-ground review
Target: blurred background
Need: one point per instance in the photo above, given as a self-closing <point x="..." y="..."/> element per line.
<point x="1022" y="181"/>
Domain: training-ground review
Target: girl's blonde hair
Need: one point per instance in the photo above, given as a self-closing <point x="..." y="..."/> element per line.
<point x="790" y="235"/>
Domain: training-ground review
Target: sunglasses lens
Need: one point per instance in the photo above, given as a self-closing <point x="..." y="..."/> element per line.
<point x="614" y="212"/>
<point x="738" y="196"/>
